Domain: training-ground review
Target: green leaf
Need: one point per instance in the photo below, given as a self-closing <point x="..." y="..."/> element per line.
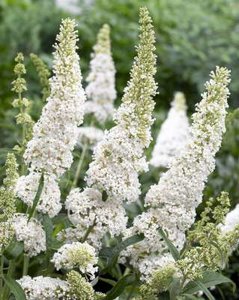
<point x="174" y="289"/>
<point x="190" y="297"/>
<point x="48" y="228"/>
<point x="107" y="280"/>
<point x="209" y="279"/>
<point x="105" y="252"/>
<point x="120" y="286"/>
<point x="222" y="255"/>
<point x="14" y="287"/>
<point x="111" y="255"/>
<point x="14" y="250"/>
<point x="37" y="197"/>
<point x="173" y="250"/>
<point x="61" y="222"/>
<point x="205" y="290"/>
<point x="55" y="244"/>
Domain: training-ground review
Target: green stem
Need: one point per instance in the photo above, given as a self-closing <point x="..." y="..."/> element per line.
<point x="88" y="231"/>
<point x="23" y="134"/>
<point x="5" y="290"/>
<point x="131" y="292"/>
<point x="127" y="271"/>
<point x="1" y="272"/>
<point x="78" y="170"/>
<point x="25" y="265"/>
<point x="11" y="267"/>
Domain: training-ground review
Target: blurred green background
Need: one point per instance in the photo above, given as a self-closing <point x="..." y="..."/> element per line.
<point x="193" y="36"/>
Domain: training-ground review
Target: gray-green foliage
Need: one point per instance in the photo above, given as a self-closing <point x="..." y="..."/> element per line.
<point x="26" y="26"/>
<point x="192" y="37"/>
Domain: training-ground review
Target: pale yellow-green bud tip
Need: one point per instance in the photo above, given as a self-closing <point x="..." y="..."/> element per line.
<point x="103" y="40"/>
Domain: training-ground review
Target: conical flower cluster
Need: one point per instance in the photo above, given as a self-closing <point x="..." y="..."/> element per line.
<point x="119" y="157"/>
<point x="76" y="255"/>
<point x="113" y="175"/>
<point x="7" y="201"/>
<point x="56" y="132"/>
<point x="173" y="135"/>
<point x="44" y="288"/>
<point x="101" y="80"/>
<point x="172" y="202"/>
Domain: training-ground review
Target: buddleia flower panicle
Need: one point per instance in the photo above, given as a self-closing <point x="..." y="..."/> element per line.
<point x="43" y="74"/>
<point x="173" y="135"/>
<point x="208" y="248"/>
<point x="100" y="90"/>
<point x="112" y="177"/>
<point x="23" y="118"/>
<point x="19" y="84"/>
<point x="88" y="209"/>
<point x="8" y="201"/>
<point x="158" y="283"/>
<point x="135" y="113"/>
<point x="79" y="288"/>
<point x="44" y="288"/>
<point x="76" y="255"/>
<point x="31" y="233"/>
<point x="171" y="204"/>
<point x="55" y="134"/>
<point x="119" y="157"/>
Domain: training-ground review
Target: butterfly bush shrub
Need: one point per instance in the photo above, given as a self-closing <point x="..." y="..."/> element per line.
<point x="79" y="241"/>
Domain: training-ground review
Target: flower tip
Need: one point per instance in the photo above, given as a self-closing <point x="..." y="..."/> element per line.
<point x="180" y="101"/>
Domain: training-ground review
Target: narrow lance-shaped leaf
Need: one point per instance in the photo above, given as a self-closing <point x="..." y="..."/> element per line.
<point x="112" y="255"/>
<point x="173" y="250"/>
<point x="15" y="288"/>
<point x="120" y="286"/>
<point x="37" y="197"/>
<point x="209" y="279"/>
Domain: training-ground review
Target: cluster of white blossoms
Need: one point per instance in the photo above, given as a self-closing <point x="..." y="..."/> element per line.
<point x="173" y="135"/>
<point x="76" y="255"/>
<point x="31" y="233"/>
<point x="117" y="161"/>
<point x="119" y="157"/>
<point x="148" y="264"/>
<point x="101" y="81"/>
<point x="86" y="209"/>
<point x="231" y="220"/>
<point x="49" y="202"/>
<point x="56" y="132"/>
<point x="44" y="288"/>
<point x="172" y="202"/>
<point x="90" y="135"/>
<point x="113" y="174"/>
